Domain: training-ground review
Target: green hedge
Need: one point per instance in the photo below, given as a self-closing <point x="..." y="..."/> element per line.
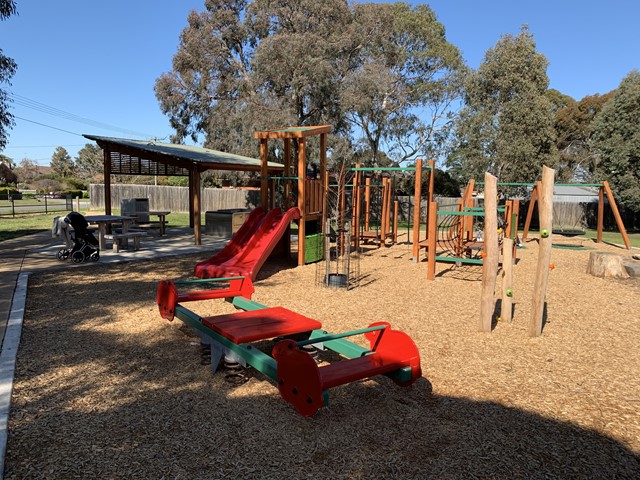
<point x="71" y="193"/>
<point x="8" y="193"/>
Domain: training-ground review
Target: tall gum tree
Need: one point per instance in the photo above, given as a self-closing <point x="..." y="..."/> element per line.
<point x="369" y="70"/>
<point x="506" y="124"/>
<point x="7" y="70"/>
<point x="616" y="139"/>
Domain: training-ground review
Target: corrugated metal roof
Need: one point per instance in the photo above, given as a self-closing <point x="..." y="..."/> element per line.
<point x="575" y="194"/>
<point x="205" y="156"/>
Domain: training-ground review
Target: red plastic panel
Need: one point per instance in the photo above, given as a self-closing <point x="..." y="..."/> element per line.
<point x="298" y="378"/>
<point x="244" y="327"/>
<point x="166" y="298"/>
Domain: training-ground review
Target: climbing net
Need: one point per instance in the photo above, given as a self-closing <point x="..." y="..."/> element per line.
<point x="460" y="236"/>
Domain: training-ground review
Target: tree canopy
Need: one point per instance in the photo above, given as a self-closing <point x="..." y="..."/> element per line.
<point x="506" y="124"/>
<point x="61" y="163"/>
<point x="366" y="69"/>
<point x="616" y="138"/>
<point x="7" y="70"/>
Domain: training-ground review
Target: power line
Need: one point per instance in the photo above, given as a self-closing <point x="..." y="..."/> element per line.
<point x="56" y="112"/>
<point x="48" y="126"/>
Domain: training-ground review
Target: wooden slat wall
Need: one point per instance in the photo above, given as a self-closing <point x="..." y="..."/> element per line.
<point x="174" y="199"/>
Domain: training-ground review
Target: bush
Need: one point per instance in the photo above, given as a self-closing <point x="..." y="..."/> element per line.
<point x="71" y="193"/>
<point x="9" y="193"/>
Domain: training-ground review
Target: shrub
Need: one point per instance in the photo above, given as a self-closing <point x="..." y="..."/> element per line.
<point x="71" y="193"/>
<point x="8" y="193"/>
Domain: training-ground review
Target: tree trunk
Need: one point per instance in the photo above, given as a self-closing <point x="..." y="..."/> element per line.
<point x="606" y="265"/>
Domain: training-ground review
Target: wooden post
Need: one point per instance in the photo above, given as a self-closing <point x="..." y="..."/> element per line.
<point x="356" y="209"/>
<point x="545" y="213"/>
<point x="367" y="202"/>
<point x="490" y="261"/>
<point x="507" y="279"/>
<point x="302" y="172"/>
<point x="616" y="214"/>
<point x="264" y="172"/>
<point x="417" y="191"/>
<point x="197" y="222"/>
<point x="532" y="203"/>
<point x="600" y="214"/>
<point x="432" y="238"/>
<point x="287" y="173"/>
<point x="395" y="221"/>
<point x="107" y="182"/>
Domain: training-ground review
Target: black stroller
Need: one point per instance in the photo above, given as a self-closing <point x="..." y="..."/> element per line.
<point x="81" y="243"/>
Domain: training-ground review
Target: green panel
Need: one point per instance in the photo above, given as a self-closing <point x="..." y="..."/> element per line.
<point x="341" y="346"/>
<point x="247" y="305"/>
<point x="313" y="248"/>
<point x="473" y="261"/>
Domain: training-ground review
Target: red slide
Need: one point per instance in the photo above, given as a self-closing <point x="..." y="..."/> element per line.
<point x="250" y="246"/>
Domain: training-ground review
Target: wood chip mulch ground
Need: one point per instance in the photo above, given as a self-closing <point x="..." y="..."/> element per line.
<point x="106" y="389"/>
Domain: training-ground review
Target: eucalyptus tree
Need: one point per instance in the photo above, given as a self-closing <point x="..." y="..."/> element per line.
<point x="8" y="68"/>
<point x="89" y="163"/>
<point x="573" y="125"/>
<point x="369" y="70"/>
<point x="401" y="85"/>
<point x="245" y="66"/>
<point x="62" y="163"/>
<point x="616" y="139"/>
<point x="506" y="124"/>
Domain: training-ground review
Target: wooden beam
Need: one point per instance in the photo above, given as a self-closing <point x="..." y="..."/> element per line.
<point x="302" y="173"/>
<point x="506" y="307"/>
<point x="197" y="225"/>
<point x="417" y="194"/>
<point x="432" y="238"/>
<point x="616" y="214"/>
<point x="293" y="132"/>
<point x="264" y="173"/>
<point x="107" y="181"/>
<point x="490" y="261"/>
<point x="545" y="213"/>
<point x="532" y="203"/>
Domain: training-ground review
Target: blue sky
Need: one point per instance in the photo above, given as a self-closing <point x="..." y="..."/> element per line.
<point x="98" y="61"/>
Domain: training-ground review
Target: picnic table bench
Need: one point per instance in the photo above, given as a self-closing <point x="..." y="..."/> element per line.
<point x="122" y="239"/>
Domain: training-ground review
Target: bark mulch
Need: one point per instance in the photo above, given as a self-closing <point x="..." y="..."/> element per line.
<point x="105" y="388"/>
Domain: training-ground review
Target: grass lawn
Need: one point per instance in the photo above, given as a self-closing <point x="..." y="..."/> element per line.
<point x="12" y="227"/>
<point x="21" y="225"/>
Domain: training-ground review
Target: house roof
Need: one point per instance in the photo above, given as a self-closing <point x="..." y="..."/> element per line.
<point x="144" y="157"/>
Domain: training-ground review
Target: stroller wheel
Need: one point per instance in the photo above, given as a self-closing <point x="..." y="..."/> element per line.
<point x="62" y="254"/>
<point x="95" y="256"/>
<point x="77" y="257"/>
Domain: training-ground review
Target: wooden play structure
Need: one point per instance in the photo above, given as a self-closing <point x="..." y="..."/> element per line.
<point x="301" y="381"/>
<point x="294" y="186"/>
<point x="492" y="253"/>
<point x="456" y="234"/>
<point x="604" y="191"/>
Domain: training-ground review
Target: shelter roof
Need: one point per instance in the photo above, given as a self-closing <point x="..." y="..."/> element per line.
<point x="144" y="157"/>
<point x="294" y="132"/>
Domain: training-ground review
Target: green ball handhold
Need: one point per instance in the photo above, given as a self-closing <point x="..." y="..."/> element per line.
<point x="544" y="233"/>
<point x="509" y="292"/>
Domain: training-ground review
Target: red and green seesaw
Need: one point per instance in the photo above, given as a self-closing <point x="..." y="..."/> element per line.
<point x="301" y="381"/>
